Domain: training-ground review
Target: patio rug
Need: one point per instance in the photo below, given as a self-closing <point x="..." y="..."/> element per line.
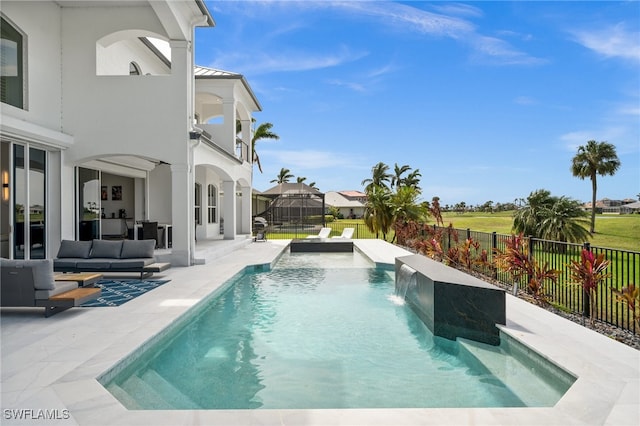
<point x="117" y="292"/>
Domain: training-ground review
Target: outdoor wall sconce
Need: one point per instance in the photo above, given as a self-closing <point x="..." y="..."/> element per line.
<point x="5" y="185"/>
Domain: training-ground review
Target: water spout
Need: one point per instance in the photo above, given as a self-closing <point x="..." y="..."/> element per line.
<point x="405" y="279"/>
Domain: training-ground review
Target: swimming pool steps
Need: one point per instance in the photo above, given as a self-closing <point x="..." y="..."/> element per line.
<point x="520" y="376"/>
<point x="151" y="391"/>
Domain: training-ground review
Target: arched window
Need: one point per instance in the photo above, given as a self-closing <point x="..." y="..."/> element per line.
<point x="134" y="69"/>
<point x="212" y="203"/>
<point x="12" y="63"/>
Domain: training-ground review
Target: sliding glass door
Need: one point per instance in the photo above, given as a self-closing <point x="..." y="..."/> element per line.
<point x="29" y="202"/>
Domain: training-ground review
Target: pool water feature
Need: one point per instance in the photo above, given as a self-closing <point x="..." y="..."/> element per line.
<point x="406" y="279"/>
<point x="320" y="331"/>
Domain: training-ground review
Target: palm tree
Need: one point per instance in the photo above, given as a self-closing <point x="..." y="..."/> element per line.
<point x="405" y="207"/>
<point x="263" y="131"/>
<point x="300" y="179"/>
<point x="283" y="176"/>
<point x="566" y="221"/>
<point x="435" y="210"/>
<point x="596" y="158"/>
<point x="396" y="178"/>
<point x="377" y="213"/>
<point x="380" y="177"/>
<point x="527" y="218"/>
<point x="413" y="180"/>
<point x="551" y="218"/>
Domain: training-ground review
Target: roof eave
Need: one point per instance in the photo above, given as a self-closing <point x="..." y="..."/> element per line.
<point x="205" y="11"/>
<point x="234" y="77"/>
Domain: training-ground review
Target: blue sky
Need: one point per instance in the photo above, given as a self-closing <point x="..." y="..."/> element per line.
<point x="489" y="100"/>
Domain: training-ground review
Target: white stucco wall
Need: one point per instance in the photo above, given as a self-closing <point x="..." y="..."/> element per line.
<point x="159" y="202"/>
<point x="121" y="114"/>
<point x="39" y="21"/>
<point x="114" y="59"/>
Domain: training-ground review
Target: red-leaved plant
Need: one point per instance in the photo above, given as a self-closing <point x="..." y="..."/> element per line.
<point x="630" y="295"/>
<point x="515" y="260"/>
<point x="589" y="273"/>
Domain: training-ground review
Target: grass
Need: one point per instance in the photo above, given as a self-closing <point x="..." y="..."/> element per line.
<point x="612" y="231"/>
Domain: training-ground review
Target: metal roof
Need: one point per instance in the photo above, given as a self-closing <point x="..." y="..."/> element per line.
<point x="201" y="72"/>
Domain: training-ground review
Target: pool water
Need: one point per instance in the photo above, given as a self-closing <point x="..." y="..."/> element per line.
<point x="320" y="331"/>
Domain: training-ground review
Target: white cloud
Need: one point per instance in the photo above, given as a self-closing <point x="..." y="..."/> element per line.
<point x="525" y="100"/>
<point x="284" y="61"/>
<point x="501" y="52"/>
<point x="613" y="42"/>
<point x="402" y="17"/>
<point x="458" y="9"/>
<point x="357" y="87"/>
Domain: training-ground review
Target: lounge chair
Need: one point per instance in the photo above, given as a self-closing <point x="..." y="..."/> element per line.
<point x="324" y="233"/>
<point x="346" y="233"/>
<point x="31" y="283"/>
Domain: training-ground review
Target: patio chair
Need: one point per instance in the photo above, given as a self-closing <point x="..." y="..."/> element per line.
<point x="150" y="231"/>
<point x="31" y="283"/>
<point x="324" y="233"/>
<point x="347" y="233"/>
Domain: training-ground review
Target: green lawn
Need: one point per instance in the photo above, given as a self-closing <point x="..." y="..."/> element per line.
<point x="612" y="231"/>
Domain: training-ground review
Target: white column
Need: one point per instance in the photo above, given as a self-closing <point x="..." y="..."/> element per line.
<point x="181" y="215"/>
<point x="229" y="188"/>
<point x="229" y="124"/>
<point x="245" y="222"/>
<point x="247" y="134"/>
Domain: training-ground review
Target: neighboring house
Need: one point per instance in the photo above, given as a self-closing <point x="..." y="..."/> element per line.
<point x="607" y="205"/>
<point x="106" y="120"/>
<point x="633" y="207"/>
<point x="293" y="203"/>
<point x="351" y="204"/>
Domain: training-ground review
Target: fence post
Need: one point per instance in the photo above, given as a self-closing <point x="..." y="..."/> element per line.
<point x="529" y="257"/>
<point x="468" y="233"/>
<point x="494" y="246"/>
<point x="586" y="299"/>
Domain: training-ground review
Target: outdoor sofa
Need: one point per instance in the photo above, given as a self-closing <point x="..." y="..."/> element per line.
<point x="31" y="283"/>
<point x="108" y="256"/>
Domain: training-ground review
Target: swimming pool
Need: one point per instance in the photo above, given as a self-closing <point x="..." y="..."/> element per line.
<point x="322" y="331"/>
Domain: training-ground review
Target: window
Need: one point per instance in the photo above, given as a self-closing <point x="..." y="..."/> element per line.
<point x="134" y="69"/>
<point x="212" y="203"/>
<point x="198" y="192"/>
<point x="11" y="65"/>
<point x="29" y="195"/>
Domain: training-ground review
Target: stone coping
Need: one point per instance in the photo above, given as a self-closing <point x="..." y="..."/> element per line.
<point x="53" y="363"/>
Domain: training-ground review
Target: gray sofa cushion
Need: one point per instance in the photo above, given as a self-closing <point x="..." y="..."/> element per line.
<point x="97" y="264"/>
<point x="70" y="248"/>
<point x="66" y="263"/>
<point x="60" y="287"/>
<point x="132" y="249"/>
<point x="128" y="264"/>
<point x="106" y="249"/>
<point x="42" y="270"/>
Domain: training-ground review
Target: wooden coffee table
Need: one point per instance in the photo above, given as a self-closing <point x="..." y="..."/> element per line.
<point x="84" y="279"/>
<point x="68" y="299"/>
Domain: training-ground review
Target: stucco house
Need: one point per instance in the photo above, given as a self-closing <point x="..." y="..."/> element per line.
<point x="351" y="204"/>
<point x="106" y="122"/>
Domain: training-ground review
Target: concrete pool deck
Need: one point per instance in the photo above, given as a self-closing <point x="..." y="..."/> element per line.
<point x="52" y="363"/>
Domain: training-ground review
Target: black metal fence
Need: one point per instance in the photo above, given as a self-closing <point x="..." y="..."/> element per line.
<point x="624" y="269"/>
